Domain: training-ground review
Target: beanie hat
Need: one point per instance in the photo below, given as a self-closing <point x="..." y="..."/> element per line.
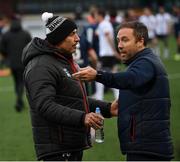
<point x="57" y="28"/>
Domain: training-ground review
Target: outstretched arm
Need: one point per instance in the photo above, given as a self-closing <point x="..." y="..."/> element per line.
<point x="87" y="73"/>
<point x="137" y="75"/>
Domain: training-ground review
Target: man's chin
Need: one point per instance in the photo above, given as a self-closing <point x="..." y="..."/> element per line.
<point x="73" y="51"/>
<point x="123" y="61"/>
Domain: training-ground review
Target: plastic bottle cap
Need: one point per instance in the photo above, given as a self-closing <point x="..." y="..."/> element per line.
<point x="97" y="110"/>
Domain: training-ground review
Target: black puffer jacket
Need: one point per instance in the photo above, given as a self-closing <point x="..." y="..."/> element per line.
<point x="58" y="102"/>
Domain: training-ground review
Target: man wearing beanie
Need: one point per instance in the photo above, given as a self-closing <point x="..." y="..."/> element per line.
<point x="61" y="113"/>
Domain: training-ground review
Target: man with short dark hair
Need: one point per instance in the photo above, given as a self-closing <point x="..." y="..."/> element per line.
<point x="144" y="99"/>
<point x="61" y="112"/>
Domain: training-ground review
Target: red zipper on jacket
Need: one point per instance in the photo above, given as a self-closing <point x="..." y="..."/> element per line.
<point x="74" y="69"/>
<point x="81" y="86"/>
<point x="133" y="129"/>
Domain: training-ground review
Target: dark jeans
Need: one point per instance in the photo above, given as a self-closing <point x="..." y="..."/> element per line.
<point x="69" y="156"/>
<point x="145" y="157"/>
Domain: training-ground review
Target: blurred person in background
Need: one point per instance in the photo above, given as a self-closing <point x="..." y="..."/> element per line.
<point x="176" y="17"/>
<point x="107" y="51"/>
<point x="113" y="15"/>
<point x="1" y="28"/>
<point x="90" y="33"/>
<point x="144" y="98"/>
<point x="61" y="113"/>
<point x="163" y="29"/>
<point x="4" y="23"/>
<point x="90" y="29"/>
<point x="4" y="26"/>
<point x="90" y="17"/>
<point x="11" y="46"/>
<point x="79" y="19"/>
<point x="150" y="21"/>
<point x="129" y="15"/>
<point x="115" y="20"/>
<point x="85" y="55"/>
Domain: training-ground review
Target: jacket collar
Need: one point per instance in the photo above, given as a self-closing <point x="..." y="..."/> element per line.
<point x="143" y="52"/>
<point x="58" y="52"/>
<point x="67" y="56"/>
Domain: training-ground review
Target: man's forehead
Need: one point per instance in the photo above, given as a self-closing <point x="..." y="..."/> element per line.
<point x="125" y="31"/>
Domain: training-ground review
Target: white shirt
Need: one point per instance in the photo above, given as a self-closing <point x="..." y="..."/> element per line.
<point x="162" y="23"/>
<point x="105" y="48"/>
<point x="150" y="22"/>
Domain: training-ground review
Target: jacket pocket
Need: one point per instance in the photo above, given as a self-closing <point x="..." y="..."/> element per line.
<point x="60" y="134"/>
<point x="132" y="128"/>
<point x="56" y="135"/>
<point x="74" y="137"/>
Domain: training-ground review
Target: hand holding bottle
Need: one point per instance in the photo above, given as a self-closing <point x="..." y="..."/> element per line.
<point x="93" y="120"/>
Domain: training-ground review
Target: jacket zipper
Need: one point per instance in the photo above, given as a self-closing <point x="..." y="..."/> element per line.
<point x="81" y="86"/>
<point x="74" y="69"/>
<point x="84" y="97"/>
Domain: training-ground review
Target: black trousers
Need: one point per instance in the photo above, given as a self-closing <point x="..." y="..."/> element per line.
<point x="18" y="84"/>
<point x="68" y="156"/>
<point x="145" y="157"/>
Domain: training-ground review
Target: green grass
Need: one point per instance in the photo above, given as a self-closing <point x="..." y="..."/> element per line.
<point x="16" y="136"/>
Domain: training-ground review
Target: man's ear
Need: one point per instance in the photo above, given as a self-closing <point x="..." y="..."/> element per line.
<point x="140" y="42"/>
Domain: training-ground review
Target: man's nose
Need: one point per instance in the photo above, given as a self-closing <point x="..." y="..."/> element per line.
<point x="120" y="45"/>
<point x="77" y="38"/>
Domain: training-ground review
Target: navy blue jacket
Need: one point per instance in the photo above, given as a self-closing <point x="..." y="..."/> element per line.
<point x="144" y="105"/>
<point x="93" y="39"/>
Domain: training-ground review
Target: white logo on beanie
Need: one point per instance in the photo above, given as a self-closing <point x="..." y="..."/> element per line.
<point x="55" y="24"/>
<point x="52" y="25"/>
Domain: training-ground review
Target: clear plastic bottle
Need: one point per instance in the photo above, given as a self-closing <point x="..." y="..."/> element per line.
<point x="99" y="133"/>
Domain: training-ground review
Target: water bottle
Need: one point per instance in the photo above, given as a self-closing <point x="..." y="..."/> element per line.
<point x="99" y="133"/>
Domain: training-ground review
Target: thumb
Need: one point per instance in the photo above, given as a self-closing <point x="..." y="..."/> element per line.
<point x="85" y="68"/>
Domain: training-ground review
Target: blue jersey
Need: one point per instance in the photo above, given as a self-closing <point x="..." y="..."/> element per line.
<point x="177" y="26"/>
<point x="92" y="38"/>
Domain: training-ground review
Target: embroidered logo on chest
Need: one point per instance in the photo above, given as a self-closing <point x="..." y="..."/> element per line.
<point x="67" y="72"/>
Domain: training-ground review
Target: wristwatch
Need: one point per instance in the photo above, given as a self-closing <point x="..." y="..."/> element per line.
<point x="99" y="75"/>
